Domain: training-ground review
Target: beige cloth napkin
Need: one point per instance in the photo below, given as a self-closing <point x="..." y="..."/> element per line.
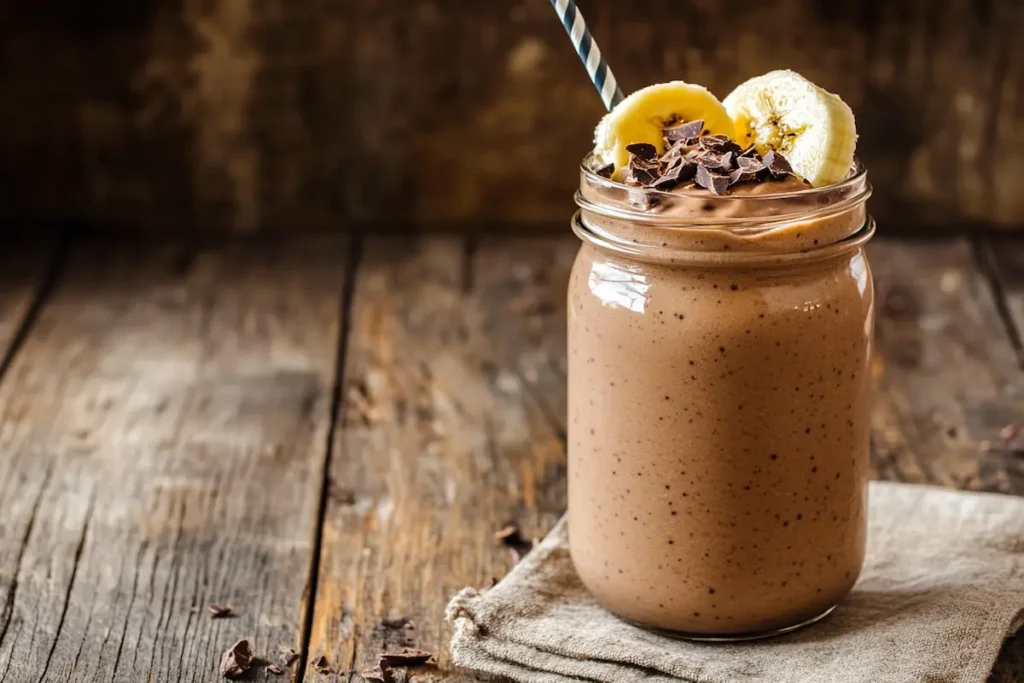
<point x="942" y="587"/>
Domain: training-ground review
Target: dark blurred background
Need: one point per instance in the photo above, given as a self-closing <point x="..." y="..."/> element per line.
<point x="170" y="116"/>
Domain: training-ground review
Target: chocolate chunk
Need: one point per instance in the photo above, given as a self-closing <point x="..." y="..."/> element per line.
<point x="678" y="172"/>
<point x="274" y="669"/>
<point x="751" y="152"/>
<point x="288" y="656"/>
<point x="740" y="176"/>
<point x="407" y="657"/>
<point x="747" y="169"/>
<point x="605" y="171"/>
<point x="644" y="177"/>
<point x="642" y="150"/>
<point x="749" y="164"/>
<point x="714" y="161"/>
<point x="719" y="143"/>
<point x="381" y="673"/>
<point x="777" y="165"/>
<point x="717" y="183"/>
<point x="219" y="611"/>
<point x="685" y="132"/>
<point x="236" y="660"/>
<point x="675" y="151"/>
<point x="321" y="665"/>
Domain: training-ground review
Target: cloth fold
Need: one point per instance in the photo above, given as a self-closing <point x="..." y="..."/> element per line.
<point x="942" y="587"/>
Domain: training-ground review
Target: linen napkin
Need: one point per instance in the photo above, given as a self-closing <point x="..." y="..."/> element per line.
<point x="942" y="587"/>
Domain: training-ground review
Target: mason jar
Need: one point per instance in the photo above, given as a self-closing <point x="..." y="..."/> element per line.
<point x="718" y="432"/>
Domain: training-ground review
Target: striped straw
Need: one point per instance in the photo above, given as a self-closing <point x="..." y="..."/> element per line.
<point x="590" y="55"/>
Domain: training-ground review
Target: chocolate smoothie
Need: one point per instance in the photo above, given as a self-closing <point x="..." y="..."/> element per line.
<point x="719" y="347"/>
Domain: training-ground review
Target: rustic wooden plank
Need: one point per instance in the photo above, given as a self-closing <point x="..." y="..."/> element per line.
<point x="240" y="115"/>
<point x="440" y="447"/>
<point x="947" y="377"/>
<point x="521" y="288"/>
<point x="163" y="435"/>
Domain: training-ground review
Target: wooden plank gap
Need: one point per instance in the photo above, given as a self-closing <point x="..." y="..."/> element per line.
<point x="345" y="307"/>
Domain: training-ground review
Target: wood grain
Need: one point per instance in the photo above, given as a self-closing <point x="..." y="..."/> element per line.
<point x="946" y="374"/>
<point x="238" y="116"/>
<point x="163" y="437"/>
<point x="440" y="447"/>
<point x="520" y="287"/>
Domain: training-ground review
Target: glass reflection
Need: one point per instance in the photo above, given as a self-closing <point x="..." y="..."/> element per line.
<point x="619" y="285"/>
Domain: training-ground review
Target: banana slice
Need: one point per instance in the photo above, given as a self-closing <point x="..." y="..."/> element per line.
<point x="811" y="127"/>
<point x="642" y="116"/>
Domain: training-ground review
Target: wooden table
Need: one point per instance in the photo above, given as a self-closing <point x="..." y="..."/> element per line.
<point x="326" y="433"/>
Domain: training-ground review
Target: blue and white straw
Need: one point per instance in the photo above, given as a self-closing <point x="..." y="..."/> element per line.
<point x="590" y="54"/>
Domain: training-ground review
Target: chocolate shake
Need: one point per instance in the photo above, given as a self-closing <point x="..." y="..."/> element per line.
<point x="719" y="342"/>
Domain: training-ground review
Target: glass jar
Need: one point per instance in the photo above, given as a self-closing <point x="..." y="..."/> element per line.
<point x="718" y="433"/>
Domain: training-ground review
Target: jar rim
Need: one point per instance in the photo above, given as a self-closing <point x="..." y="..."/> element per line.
<point x="607" y="240"/>
<point x="610" y="199"/>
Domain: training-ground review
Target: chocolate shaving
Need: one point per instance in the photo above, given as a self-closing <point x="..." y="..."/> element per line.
<point x="688" y="133"/>
<point x="288" y="656"/>
<point x="274" y="669"/>
<point x="751" y="164"/>
<point x="605" y="171"/>
<point x="719" y="143"/>
<point x="644" y="177"/>
<point x="747" y="168"/>
<point x="777" y="165"/>
<point x="715" y="182"/>
<point x="380" y="673"/>
<point x="676" y="173"/>
<point x="321" y="665"/>
<point x="675" y="152"/>
<point x="407" y="657"/>
<point x="219" y="611"/>
<point x="644" y="151"/>
<point x="237" y="660"/>
<point x="740" y="176"/>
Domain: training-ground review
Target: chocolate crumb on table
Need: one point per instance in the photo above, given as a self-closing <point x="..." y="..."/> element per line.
<point x="219" y="611"/>
<point x="321" y="665"/>
<point x="237" y="660"/>
<point x="288" y="656"/>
